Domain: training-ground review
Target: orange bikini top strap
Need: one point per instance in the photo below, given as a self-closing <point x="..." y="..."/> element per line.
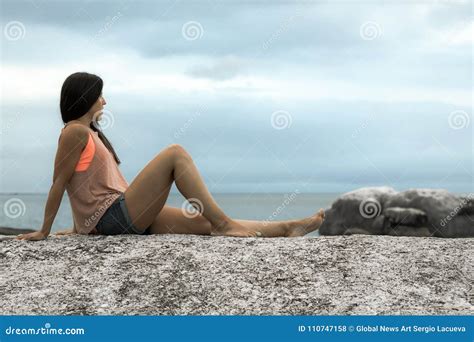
<point x="87" y="155"/>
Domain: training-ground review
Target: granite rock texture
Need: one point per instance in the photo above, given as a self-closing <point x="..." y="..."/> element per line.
<point x="204" y="275"/>
<point x="414" y="212"/>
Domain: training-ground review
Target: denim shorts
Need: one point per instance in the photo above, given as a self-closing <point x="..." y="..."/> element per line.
<point x="116" y="220"/>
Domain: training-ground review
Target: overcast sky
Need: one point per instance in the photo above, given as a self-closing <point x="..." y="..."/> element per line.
<point x="266" y="96"/>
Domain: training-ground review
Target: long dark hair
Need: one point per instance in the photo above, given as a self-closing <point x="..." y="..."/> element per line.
<point x="78" y="94"/>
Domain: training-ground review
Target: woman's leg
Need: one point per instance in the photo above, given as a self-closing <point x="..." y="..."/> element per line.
<point x="172" y="220"/>
<point x="147" y="194"/>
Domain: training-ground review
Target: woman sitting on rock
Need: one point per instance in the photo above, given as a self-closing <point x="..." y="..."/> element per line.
<point x="102" y="202"/>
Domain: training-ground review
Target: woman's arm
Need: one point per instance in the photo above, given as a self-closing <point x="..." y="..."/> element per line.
<point x="53" y="202"/>
<point x="71" y="143"/>
<point x="52" y="206"/>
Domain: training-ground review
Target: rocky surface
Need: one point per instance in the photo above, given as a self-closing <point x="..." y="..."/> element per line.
<point x="204" y="275"/>
<point x="415" y="212"/>
<point x="13" y="231"/>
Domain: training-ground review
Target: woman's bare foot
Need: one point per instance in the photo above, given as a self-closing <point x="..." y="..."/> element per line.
<point x="232" y="228"/>
<point x="307" y="225"/>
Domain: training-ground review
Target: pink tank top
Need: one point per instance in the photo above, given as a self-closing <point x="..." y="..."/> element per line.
<point x="96" y="183"/>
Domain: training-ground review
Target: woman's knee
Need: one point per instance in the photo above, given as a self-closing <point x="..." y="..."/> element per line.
<point x="177" y="148"/>
<point x="177" y="151"/>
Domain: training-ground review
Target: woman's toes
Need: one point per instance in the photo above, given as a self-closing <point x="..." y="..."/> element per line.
<point x="321" y="213"/>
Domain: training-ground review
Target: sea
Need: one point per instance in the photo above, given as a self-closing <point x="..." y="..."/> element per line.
<point x="26" y="210"/>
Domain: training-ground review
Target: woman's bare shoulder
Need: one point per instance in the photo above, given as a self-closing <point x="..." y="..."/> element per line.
<point x="74" y="134"/>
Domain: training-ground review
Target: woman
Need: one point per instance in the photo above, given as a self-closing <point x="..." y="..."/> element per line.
<point x="102" y="202"/>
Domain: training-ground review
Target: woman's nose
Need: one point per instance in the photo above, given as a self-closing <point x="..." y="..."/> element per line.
<point x="103" y="101"/>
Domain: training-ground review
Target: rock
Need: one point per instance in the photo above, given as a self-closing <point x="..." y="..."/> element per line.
<point x="355" y="209"/>
<point x="406" y="216"/>
<point x="351" y="231"/>
<point x="380" y="225"/>
<point x="6" y="237"/>
<point x="204" y="275"/>
<point x="14" y="231"/>
<point x="401" y="230"/>
<point x="438" y="211"/>
<point x="440" y="207"/>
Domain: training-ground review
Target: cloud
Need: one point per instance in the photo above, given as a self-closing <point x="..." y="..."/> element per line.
<point x="221" y="69"/>
<point x="363" y="111"/>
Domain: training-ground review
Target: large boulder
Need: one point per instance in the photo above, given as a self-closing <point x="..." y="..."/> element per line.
<point x="356" y="211"/>
<point x="204" y="275"/>
<point x="415" y="212"/>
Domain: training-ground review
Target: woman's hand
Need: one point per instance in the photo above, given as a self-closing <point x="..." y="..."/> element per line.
<point x="35" y="236"/>
<point x="69" y="231"/>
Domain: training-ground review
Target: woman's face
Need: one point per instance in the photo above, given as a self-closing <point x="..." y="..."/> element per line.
<point x="97" y="108"/>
